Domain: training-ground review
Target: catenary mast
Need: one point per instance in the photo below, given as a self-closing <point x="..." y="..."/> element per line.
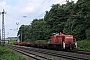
<point x="3" y="28"/>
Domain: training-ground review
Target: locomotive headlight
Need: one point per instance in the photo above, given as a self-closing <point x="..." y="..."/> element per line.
<point x="63" y="45"/>
<point x="76" y="44"/>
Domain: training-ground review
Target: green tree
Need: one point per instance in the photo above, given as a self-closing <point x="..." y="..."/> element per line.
<point x="72" y="18"/>
<point x="24" y="32"/>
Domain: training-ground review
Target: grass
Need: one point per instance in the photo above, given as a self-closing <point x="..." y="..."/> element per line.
<point x="11" y="42"/>
<point x="83" y="45"/>
<point x="7" y="54"/>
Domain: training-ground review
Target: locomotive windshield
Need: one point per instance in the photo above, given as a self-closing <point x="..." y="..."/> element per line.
<point x="69" y="36"/>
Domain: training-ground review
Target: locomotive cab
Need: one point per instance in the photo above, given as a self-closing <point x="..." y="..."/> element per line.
<point x="69" y="42"/>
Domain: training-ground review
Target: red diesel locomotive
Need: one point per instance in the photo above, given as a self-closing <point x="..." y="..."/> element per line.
<point x="57" y="41"/>
<point x="63" y="41"/>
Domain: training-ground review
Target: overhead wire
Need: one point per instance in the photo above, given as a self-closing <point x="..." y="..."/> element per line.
<point x="20" y="19"/>
<point x="41" y="15"/>
<point x="38" y="6"/>
<point x="44" y="12"/>
<point x="40" y="9"/>
<point x="36" y="11"/>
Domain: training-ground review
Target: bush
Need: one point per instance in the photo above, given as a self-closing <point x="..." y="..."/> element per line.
<point x="84" y="45"/>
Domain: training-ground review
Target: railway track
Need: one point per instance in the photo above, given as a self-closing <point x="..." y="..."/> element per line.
<point x="81" y="52"/>
<point x="59" y="54"/>
<point x="28" y="53"/>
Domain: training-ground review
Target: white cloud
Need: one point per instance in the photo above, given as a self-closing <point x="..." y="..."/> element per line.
<point x="3" y="3"/>
<point x="16" y="9"/>
<point x="27" y="10"/>
<point x="60" y="2"/>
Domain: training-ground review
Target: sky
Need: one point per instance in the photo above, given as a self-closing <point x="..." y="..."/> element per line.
<point x="16" y="10"/>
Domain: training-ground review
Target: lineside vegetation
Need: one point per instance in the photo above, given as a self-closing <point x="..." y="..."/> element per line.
<point x="7" y="54"/>
<point x="84" y="45"/>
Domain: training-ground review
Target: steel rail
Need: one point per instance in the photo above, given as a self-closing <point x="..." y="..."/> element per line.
<point x="25" y="52"/>
<point x="55" y="54"/>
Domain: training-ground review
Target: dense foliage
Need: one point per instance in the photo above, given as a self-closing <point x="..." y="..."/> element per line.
<point x="83" y="45"/>
<point x="72" y="18"/>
